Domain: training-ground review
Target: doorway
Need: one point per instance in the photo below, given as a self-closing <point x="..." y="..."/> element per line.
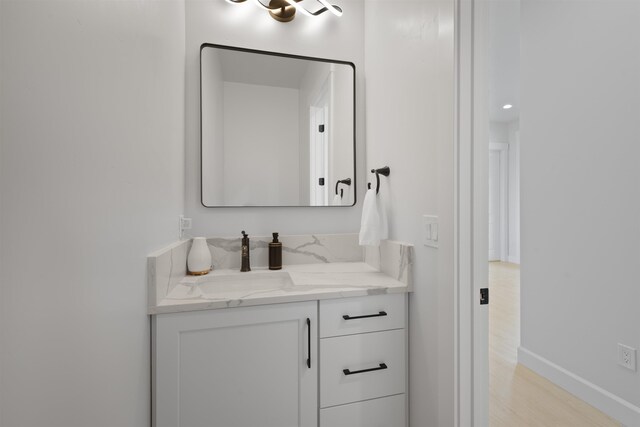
<point x="531" y="398"/>
<point x="503" y="114"/>
<point x="517" y="394"/>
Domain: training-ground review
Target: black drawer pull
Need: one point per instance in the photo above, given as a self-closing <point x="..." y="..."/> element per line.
<point x="380" y="314"/>
<point x="309" y="342"/>
<point x="348" y="372"/>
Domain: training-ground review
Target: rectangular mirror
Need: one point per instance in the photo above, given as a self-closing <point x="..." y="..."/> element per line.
<point x="276" y="129"/>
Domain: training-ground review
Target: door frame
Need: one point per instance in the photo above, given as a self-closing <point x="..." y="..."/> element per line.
<point x="503" y="150"/>
<point x="322" y="101"/>
<point x="471" y="381"/>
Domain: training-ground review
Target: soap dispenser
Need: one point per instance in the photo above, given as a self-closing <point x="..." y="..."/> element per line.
<point x="275" y="253"/>
<point x="244" y="253"/>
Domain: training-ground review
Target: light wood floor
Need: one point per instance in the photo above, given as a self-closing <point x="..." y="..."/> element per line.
<point x="518" y="396"/>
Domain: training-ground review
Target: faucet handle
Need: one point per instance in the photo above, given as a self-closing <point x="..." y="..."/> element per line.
<point x="245" y="235"/>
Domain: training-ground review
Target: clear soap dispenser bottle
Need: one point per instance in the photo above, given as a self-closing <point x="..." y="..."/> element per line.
<point x="275" y="253"/>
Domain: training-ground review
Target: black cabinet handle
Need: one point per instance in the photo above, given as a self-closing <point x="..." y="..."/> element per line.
<point x="309" y="343"/>
<point x="348" y="372"/>
<point x="380" y="314"/>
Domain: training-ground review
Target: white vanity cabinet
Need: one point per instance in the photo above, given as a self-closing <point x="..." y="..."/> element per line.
<point x="238" y="367"/>
<point x="363" y="361"/>
<point x="329" y="363"/>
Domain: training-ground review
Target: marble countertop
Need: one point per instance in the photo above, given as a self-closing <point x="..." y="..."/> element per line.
<point x="231" y="288"/>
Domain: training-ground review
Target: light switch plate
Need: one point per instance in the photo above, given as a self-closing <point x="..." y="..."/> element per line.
<point x="183" y="225"/>
<point x="430" y="230"/>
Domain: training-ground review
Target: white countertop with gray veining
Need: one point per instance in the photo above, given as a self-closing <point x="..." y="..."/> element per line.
<point x="305" y="282"/>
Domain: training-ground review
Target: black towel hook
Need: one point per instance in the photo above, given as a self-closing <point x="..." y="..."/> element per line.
<point x="381" y="171"/>
<point x="346" y="181"/>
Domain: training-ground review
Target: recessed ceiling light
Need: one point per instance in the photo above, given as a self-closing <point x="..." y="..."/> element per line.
<point x="507" y="106"/>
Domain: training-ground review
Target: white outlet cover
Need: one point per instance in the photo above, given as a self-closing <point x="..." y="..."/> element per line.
<point x="627" y="357"/>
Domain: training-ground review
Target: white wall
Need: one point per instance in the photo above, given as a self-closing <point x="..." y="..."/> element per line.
<point x="503" y="58"/>
<point x="260" y="158"/>
<point x="580" y="192"/>
<point x="91" y="181"/>
<point x="498" y="133"/>
<point x="247" y="26"/>
<point x="212" y="129"/>
<point x="410" y="93"/>
<point x="2" y="232"/>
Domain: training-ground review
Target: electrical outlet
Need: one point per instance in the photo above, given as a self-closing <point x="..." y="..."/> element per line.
<point x="627" y="357"/>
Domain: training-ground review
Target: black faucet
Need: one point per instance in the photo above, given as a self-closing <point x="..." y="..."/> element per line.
<point x="246" y="266"/>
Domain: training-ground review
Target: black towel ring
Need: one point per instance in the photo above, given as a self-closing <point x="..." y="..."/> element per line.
<point x="382" y="171"/>
<point x="346" y="181"/>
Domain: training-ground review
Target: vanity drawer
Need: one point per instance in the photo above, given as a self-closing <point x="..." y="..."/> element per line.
<point x="384" y="412"/>
<point x="349" y="316"/>
<point x="359" y="367"/>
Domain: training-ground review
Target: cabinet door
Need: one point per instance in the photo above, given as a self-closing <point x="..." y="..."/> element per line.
<point x="238" y="367"/>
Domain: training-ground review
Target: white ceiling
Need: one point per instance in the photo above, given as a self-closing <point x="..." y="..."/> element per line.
<point x="504" y="59"/>
<point x="264" y="70"/>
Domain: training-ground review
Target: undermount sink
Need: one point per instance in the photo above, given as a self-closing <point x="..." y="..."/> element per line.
<point x="245" y="282"/>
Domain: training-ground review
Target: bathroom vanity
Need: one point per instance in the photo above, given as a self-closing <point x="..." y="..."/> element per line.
<point x="322" y="342"/>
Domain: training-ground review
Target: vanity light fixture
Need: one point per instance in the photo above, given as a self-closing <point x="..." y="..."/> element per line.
<point x="507" y="106"/>
<point x="285" y="10"/>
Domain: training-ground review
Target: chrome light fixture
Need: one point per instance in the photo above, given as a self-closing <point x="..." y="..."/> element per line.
<point x="285" y="10"/>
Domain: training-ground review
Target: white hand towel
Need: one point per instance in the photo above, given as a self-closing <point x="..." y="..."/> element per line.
<point x="370" y="223"/>
<point x="382" y="215"/>
<point x="337" y="200"/>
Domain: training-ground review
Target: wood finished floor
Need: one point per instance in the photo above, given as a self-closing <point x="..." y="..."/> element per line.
<point x="518" y="396"/>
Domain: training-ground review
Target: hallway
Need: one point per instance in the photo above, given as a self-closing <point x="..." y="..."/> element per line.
<point x="520" y="397"/>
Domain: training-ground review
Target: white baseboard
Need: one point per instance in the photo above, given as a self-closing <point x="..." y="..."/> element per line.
<point x="612" y="405"/>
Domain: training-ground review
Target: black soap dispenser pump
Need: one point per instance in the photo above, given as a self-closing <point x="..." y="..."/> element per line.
<point x="275" y="253"/>
<point x="244" y="252"/>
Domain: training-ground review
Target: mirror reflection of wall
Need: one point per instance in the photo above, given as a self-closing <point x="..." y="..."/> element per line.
<point x="276" y="131"/>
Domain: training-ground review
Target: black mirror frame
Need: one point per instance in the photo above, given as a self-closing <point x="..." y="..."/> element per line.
<point x="284" y="55"/>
